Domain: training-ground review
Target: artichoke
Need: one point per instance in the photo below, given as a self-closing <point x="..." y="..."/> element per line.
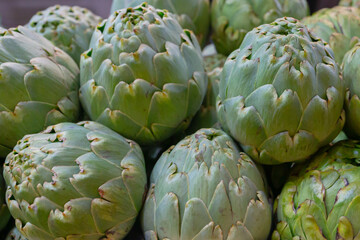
<point x="14" y="234"/>
<point x="75" y="181"/>
<point x="204" y="188"/>
<point x="191" y="14"/>
<point x="339" y="26"/>
<point x="38" y="86"/>
<point x="207" y="116"/>
<point x="349" y="3"/>
<point x="281" y="95"/>
<point x="351" y="74"/>
<point x="232" y="19"/>
<point x="143" y="76"/>
<point x="321" y="200"/>
<point x="69" y="28"/>
<point x="4" y="212"/>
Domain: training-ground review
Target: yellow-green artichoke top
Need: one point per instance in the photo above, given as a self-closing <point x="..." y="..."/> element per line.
<point x="69" y="28"/>
<point x="191" y="14"/>
<point x="232" y="19"/>
<point x="339" y="26"/>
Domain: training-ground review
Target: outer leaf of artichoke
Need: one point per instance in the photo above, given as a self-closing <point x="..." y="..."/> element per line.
<point x="339" y="26"/>
<point x="14" y="234"/>
<point x="351" y="74"/>
<point x="69" y="28"/>
<point x="281" y="94"/>
<point x="204" y="188"/>
<point x="143" y="76"/>
<point x="38" y="86"/>
<point x="321" y="199"/>
<point x="75" y="181"/>
<point x="232" y="19"/>
<point x="191" y="14"/>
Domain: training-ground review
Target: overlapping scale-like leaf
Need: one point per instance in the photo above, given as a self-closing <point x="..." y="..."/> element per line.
<point x="73" y="173"/>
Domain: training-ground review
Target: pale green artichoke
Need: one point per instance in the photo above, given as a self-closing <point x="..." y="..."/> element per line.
<point x="207" y="116"/>
<point x="191" y="14"/>
<point x="232" y="19"/>
<point x="204" y="188"/>
<point x="75" y="181"/>
<point x="349" y="3"/>
<point x="351" y="74"/>
<point x="143" y="76"/>
<point x="339" y="26"/>
<point x="4" y="212"/>
<point x="38" y="86"/>
<point x="14" y="234"/>
<point x="69" y="28"/>
<point x="281" y="94"/>
<point x="322" y="199"/>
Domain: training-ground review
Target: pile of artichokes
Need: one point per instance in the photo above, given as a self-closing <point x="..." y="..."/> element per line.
<point x="193" y="120"/>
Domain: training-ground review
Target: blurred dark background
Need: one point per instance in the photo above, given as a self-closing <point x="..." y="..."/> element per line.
<point x="19" y="12"/>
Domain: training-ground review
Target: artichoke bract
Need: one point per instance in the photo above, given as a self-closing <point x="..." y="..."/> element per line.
<point x="38" y="86"/>
<point x="349" y="3"/>
<point x="207" y="116"/>
<point x="281" y="95"/>
<point x="14" y="234"/>
<point x="69" y="28"/>
<point x="191" y="14"/>
<point x="339" y="26"/>
<point x="4" y="212"/>
<point x="144" y="75"/>
<point x="321" y="199"/>
<point x="232" y="19"/>
<point x="351" y="74"/>
<point x="204" y="188"/>
<point x="75" y="181"/>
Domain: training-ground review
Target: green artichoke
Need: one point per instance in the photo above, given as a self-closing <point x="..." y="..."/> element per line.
<point x="339" y="26"/>
<point x="75" y="181"/>
<point x="144" y="75"/>
<point x="232" y="19"/>
<point x="281" y="95"/>
<point x="207" y="116"/>
<point x="204" y="188"/>
<point x="14" y="234"/>
<point x="321" y="200"/>
<point x="4" y="212"/>
<point x="191" y="14"/>
<point x="351" y="74"/>
<point x="69" y="28"/>
<point x="38" y="86"/>
<point x="349" y="3"/>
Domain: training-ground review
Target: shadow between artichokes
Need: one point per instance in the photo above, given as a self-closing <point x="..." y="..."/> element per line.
<point x="4" y="212"/>
<point x="204" y="188"/>
<point x="232" y="19"/>
<point x="144" y="75"/>
<point x="191" y="14"/>
<point x="69" y="28"/>
<point x="75" y="181"/>
<point x="281" y="94"/>
<point x="321" y="200"/>
<point x="38" y="86"/>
